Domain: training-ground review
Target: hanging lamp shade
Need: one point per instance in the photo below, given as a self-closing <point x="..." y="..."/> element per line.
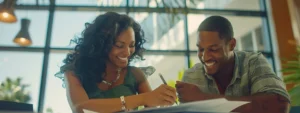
<point x="23" y="37"/>
<point x="7" y="13"/>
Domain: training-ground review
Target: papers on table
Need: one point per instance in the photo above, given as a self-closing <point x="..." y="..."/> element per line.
<point x="214" y="105"/>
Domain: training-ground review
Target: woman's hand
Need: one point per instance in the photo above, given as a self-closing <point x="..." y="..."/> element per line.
<point x="161" y="96"/>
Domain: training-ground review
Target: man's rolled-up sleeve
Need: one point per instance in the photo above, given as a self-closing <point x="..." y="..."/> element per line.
<point x="263" y="79"/>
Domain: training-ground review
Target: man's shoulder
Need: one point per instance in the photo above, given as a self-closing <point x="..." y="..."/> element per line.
<point x="247" y="57"/>
<point x="249" y="61"/>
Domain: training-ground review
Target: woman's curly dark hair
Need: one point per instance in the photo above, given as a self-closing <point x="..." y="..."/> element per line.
<point x="88" y="60"/>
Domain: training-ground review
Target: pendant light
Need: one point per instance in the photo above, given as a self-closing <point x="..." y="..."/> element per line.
<point x="7" y="13"/>
<point x="23" y="37"/>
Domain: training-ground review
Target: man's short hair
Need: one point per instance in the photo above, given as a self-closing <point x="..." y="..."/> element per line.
<point x="217" y="24"/>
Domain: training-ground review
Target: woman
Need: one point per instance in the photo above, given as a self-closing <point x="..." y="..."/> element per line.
<point x="97" y="74"/>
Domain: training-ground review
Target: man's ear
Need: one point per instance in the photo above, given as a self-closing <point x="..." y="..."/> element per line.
<point x="232" y="44"/>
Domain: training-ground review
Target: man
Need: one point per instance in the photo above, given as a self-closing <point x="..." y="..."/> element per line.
<point x="234" y="75"/>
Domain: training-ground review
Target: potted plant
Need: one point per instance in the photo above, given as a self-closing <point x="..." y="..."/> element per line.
<point x="14" y="90"/>
<point x="292" y="76"/>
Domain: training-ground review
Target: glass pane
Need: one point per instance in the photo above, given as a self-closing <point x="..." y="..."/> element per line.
<point x="92" y="2"/>
<point x="44" y="2"/>
<point x="32" y="2"/>
<point x="194" y="58"/>
<point x="254" y="41"/>
<point x="246" y="42"/>
<point x="157" y="3"/>
<point x="270" y="60"/>
<point x="225" y="4"/>
<point x="55" y="94"/>
<point x="259" y="41"/>
<point x="162" y="31"/>
<point x="69" y="24"/>
<point x="16" y="64"/>
<point x="247" y="31"/>
<point x="37" y="28"/>
<point x="55" y="97"/>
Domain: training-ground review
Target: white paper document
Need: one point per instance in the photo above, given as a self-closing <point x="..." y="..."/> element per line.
<point x="220" y="105"/>
<point x="215" y="105"/>
<point x="88" y="111"/>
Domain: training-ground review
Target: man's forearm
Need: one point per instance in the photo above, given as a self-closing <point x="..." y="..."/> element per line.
<point x="264" y="103"/>
<point x="259" y="103"/>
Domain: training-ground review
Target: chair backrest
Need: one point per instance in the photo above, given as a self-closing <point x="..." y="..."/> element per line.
<point x="15" y="106"/>
<point x="148" y="71"/>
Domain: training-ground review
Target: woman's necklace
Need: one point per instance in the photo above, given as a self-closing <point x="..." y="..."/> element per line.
<point x="110" y="83"/>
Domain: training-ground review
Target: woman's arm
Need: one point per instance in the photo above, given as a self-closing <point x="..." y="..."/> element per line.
<point x="78" y="99"/>
<point x="144" y="87"/>
<point x="142" y="82"/>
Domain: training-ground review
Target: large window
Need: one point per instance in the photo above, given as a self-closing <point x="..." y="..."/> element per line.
<point x="225" y="4"/>
<point x="37" y="28"/>
<point x="112" y="3"/>
<point x="69" y="25"/>
<point x="15" y="65"/>
<point x="31" y="2"/>
<point x="200" y="4"/>
<point x="55" y="97"/>
<point x="156" y="3"/>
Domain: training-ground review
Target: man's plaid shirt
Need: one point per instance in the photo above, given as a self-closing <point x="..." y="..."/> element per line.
<point x="252" y="74"/>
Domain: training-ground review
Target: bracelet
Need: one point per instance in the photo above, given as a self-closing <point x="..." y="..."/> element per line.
<point x="123" y="103"/>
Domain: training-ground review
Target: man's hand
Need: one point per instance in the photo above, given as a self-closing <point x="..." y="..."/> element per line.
<point x="188" y="92"/>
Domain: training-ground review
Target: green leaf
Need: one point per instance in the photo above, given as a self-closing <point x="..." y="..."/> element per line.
<point x="293" y="62"/>
<point x="18" y="81"/>
<point x="295" y="95"/>
<point x="292" y="77"/>
<point x="291" y="69"/>
<point x="291" y="65"/>
<point x="296" y="81"/>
